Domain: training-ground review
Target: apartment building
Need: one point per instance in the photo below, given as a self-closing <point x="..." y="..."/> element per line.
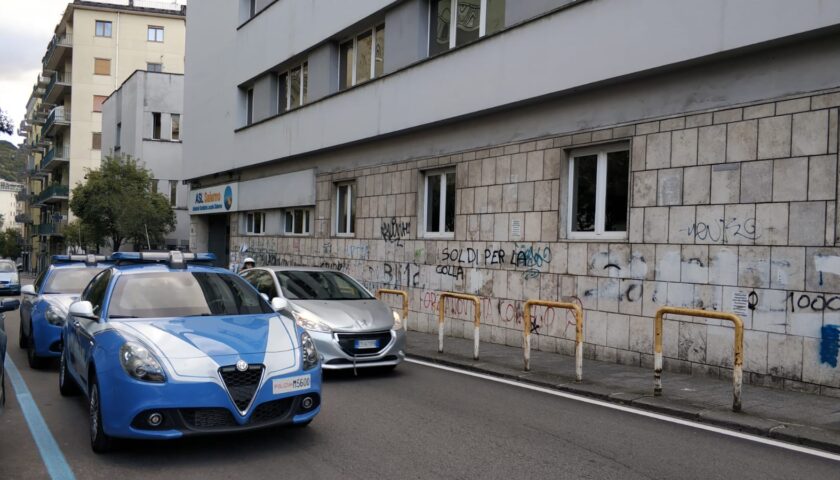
<point x="96" y="46"/>
<point x="620" y="155"/>
<point x="143" y="119"/>
<point x="9" y="204"/>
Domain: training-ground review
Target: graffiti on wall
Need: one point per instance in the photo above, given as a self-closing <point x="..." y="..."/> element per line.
<point x="534" y="260"/>
<point x="395" y="232"/>
<point x="723" y="231"/>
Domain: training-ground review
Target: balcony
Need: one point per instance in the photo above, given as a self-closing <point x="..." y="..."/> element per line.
<point x="51" y="229"/>
<point x="58" y="47"/>
<point x="58" y="87"/>
<point x="52" y="194"/>
<point x="23" y="218"/>
<point x="55" y="156"/>
<point x="57" y="121"/>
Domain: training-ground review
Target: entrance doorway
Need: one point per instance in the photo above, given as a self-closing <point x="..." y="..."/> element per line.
<point x="218" y="238"/>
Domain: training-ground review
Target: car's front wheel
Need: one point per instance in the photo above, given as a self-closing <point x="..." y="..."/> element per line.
<point x="34" y="360"/>
<point x="100" y="442"/>
<point x="66" y="385"/>
<point x="21" y="337"/>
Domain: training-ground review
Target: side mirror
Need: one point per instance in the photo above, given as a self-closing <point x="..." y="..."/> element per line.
<point x="9" y="304"/>
<point x="278" y="303"/>
<point x="28" y="290"/>
<point x="82" y="310"/>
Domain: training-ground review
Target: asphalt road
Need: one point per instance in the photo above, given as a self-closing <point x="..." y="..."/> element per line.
<point x="417" y="422"/>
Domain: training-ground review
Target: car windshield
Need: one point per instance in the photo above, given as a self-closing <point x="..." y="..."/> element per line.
<point x="317" y="285"/>
<point x="183" y="294"/>
<point x="7" y="267"/>
<point x="70" y="280"/>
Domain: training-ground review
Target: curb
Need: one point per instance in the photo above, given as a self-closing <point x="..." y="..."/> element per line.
<point x="806" y="436"/>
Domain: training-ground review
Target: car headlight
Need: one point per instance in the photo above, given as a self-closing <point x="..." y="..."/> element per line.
<point x="139" y="363"/>
<point x="398" y="323"/>
<point x="54" y="317"/>
<point x="308" y="351"/>
<point x="308" y="321"/>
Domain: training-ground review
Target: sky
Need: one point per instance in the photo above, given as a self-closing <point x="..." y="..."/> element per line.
<point x="26" y="27"/>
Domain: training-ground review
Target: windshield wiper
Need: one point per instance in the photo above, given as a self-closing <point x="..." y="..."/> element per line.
<point x="122" y="316"/>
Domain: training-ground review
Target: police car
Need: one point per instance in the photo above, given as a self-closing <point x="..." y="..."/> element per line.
<point x="44" y="305"/>
<point x="163" y="345"/>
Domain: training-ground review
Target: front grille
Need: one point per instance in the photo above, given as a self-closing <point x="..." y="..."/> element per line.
<point x="203" y="418"/>
<point x="347" y="342"/>
<point x="242" y="386"/>
<point x="269" y="411"/>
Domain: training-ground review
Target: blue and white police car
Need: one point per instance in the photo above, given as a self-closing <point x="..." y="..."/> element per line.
<point x="44" y="305"/>
<point x="164" y="345"/>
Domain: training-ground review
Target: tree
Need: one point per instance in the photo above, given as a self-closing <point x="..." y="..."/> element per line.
<point x="6" y="124"/>
<point x="10" y="242"/>
<point x="117" y="202"/>
<point x="79" y="235"/>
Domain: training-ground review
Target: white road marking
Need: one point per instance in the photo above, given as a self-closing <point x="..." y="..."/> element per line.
<point x="636" y="411"/>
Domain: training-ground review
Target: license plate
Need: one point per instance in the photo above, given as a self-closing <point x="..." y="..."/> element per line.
<point x="291" y="384"/>
<point x="366" y="344"/>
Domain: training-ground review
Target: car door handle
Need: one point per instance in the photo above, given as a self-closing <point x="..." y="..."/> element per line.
<point x="76" y="324"/>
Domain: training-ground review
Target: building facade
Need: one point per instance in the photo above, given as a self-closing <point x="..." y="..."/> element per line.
<point x="562" y="150"/>
<point x="9" y="207"/>
<point x="143" y="119"/>
<point x="96" y="46"/>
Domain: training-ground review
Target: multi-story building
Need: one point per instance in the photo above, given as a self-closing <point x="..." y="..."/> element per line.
<point x="9" y="205"/>
<point x="620" y="155"/>
<point x="96" y="46"/>
<point x="143" y="119"/>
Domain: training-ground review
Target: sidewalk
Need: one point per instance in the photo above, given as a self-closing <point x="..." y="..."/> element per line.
<point x="794" y="417"/>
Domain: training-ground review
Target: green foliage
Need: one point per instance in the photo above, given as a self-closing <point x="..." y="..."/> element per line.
<point x="10" y="242"/>
<point x="117" y="203"/>
<point x="78" y="235"/>
<point x="11" y="164"/>
<point x="6" y="124"/>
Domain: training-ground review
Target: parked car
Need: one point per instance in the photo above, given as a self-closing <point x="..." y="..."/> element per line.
<point x="9" y="278"/>
<point x="5" y="306"/>
<point x="163" y="345"/>
<point x="44" y="304"/>
<point x="350" y="327"/>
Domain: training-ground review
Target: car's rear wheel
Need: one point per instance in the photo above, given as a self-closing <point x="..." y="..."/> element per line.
<point x="100" y="442"/>
<point x="21" y="337"/>
<point x="34" y="360"/>
<point x="66" y="385"/>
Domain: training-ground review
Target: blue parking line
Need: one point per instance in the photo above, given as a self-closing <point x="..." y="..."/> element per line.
<point x="54" y="460"/>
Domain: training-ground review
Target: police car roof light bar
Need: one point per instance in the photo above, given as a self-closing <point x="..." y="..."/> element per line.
<point x="175" y="259"/>
<point x="89" y="260"/>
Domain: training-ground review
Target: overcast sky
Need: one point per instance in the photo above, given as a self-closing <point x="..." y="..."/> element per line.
<point x="26" y="27"/>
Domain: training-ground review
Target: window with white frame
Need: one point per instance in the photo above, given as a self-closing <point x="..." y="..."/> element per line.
<point x="255" y="223"/>
<point x="292" y="88"/>
<point x="455" y="22"/>
<point x="345" y="210"/>
<point x="599" y="181"/>
<point x="297" y="221"/>
<point x="362" y="57"/>
<point x="439" y="203"/>
<point x="249" y="106"/>
<point x="103" y="28"/>
<point x="154" y="34"/>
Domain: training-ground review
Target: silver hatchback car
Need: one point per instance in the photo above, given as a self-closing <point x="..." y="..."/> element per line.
<point x="350" y="327"/>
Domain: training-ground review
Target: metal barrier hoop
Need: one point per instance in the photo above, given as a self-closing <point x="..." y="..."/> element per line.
<point x="477" y="320"/>
<point x="578" y="332"/>
<point x="400" y="293"/>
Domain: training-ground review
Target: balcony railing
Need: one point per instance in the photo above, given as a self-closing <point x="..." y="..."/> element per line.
<point x="57" y="45"/>
<point x="51" y="228"/>
<point x="57" y="117"/>
<point x="54" y="156"/>
<point x="23" y="218"/>
<point x="53" y="193"/>
<point x="59" y="82"/>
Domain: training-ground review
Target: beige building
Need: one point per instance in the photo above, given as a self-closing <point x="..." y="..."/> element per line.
<point x="95" y="48"/>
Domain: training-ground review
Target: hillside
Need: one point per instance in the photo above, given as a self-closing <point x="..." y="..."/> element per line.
<point x="11" y="168"/>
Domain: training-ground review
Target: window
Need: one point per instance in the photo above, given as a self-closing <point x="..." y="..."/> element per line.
<point x="96" y="141"/>
<point x="98" y="100"/>
<point x="101" y="66"/>
<point x="439" y="201"/>
<point x="293" y="87"/>
<point x="95" y="290"/>
<point x="249" y="106"/>
<point x="154" y="67"/>
<point x="154" y="34"/>
<point x="252" y="8"/>
<point x="173" y="193"/>
<point x="262" y="281"/>
<point x="156" y="125"/>
<point x="176" y="126"/>
<point x="453" y="23"/>
<point x="69" y="280"/>
<point x="119" y="136"/>
<point x="361" y="58"/>
<point x="345" y="214"/>
<point x="598" y="192"/>
<point x="297" y="222"/>
<point x="255" y="223"/>
<point x="103" y="28"/>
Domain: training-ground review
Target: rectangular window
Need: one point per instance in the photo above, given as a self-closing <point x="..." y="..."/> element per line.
<point x="103" y="28"/>
<point x="599" y="180"/>
<point x="454" y="23"/>
<point x="282" y="92"/>
<point x="154" y="67"/>
<point x="293" y="88"/>
<point x="117" y="141"/>
<point x="249" y="106"/>
<point x="98" y="100"/>
<point x="173" y="193"/>
<point x="439" y="211"/>
<point x="96" y="141"/>
<point x="252" y="8"/>
<point x="101" y="66"/>
<point x="156" y="125"/>
<point x="362" y="57"/>
<point x="297" y="221"/>
<point x="176" y="127"/>
<point x="345" y="213"/>
<point x="255" y="223"/>
<point x="154" y="34"/>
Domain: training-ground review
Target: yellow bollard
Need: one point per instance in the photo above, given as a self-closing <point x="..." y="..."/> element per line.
<point x="578" y="332"/>
<point x="477" y="321"/>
